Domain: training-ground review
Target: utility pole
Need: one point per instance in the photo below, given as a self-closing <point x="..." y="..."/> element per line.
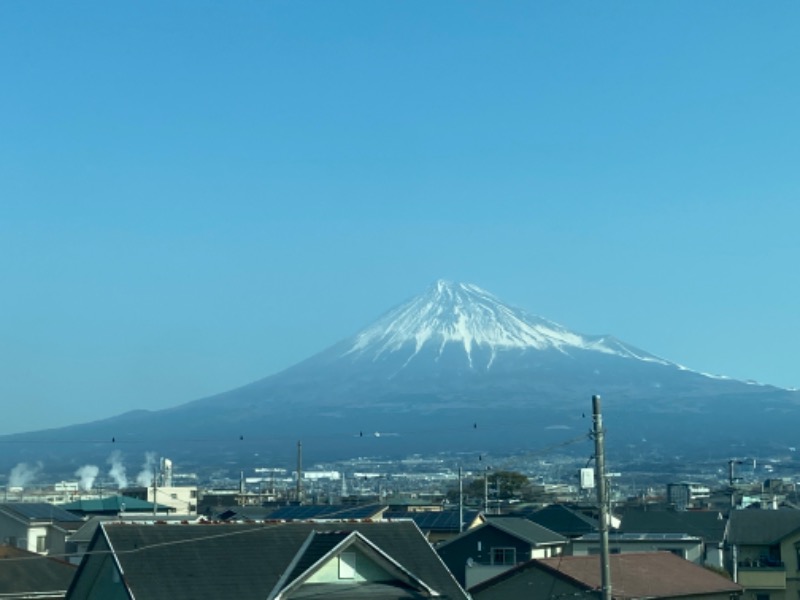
<point x="486" y="491"/>
<point x="602" y="496"/>
<point x="460" y="501"/>
<point x="732" y="479"/>
<point x="299" y="490"/>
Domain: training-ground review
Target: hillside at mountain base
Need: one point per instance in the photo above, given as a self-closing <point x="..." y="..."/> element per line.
<point x="455" y="370"/>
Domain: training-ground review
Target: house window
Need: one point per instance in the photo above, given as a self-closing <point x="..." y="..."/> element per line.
<point x="347" y="565"/>
<point x="41" y="543"/>
<point x="762" y="596"/>
<point x="504" y="556"/>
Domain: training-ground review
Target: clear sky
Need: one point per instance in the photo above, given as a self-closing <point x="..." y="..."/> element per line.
<point x="195" y="195"/>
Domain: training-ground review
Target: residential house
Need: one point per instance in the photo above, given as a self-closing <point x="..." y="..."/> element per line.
<point x="710" y="526"/>
<point x="645" y="576"/>
<point x="272" y="561"/>
<point x="36" y="526"/>
<point x="26" y="574"/>
<point x="764" y="553"/>
<point x="564" y="520"/>
<point x="498" y="545"/>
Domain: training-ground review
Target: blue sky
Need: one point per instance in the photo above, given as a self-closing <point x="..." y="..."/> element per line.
<point x="194" y="195"/>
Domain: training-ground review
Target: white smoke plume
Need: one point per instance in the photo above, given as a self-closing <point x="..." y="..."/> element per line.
<point x="87" y="474"/>
<point x="117" y="471"/>
<point x="23" y="474"/>
<point x="145" y="476"/>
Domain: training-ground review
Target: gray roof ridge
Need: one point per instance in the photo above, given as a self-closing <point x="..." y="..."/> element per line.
<point x="281" y="583"/>
<point x="112" y="551"/>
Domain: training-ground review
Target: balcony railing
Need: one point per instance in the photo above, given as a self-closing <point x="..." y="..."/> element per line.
<point x="761" y="563"/>
<point x="765" y="574"/>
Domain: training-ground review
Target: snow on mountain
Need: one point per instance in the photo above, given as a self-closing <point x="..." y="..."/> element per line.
<point x="466" y="315"/>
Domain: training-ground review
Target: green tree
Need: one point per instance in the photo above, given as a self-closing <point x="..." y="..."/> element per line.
<point x="502" y="485"/>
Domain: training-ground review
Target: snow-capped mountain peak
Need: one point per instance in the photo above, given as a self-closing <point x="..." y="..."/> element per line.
<point x="466" y="315"/>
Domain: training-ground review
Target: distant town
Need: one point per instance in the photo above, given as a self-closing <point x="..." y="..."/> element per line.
<point x="496" y="523"/>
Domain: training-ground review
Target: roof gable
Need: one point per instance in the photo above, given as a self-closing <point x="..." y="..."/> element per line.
<point x="303" y="574"/>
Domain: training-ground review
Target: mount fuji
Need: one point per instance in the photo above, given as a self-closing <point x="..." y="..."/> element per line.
<point x="453" y="369"/>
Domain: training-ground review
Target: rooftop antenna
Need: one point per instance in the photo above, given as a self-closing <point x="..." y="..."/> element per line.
<point x="602" y="495"/>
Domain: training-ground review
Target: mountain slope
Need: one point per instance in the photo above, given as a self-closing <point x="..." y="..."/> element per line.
<point x="452" y="369"/>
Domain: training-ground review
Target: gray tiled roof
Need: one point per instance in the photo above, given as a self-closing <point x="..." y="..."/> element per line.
<point x="563" y="520"/>
<point x="23" y="572"/>
<point x="760" y="527"/>
<point x="40" y="511"/>
<point x="86" y="532"/>
<point x="169" y="562"/>
<point x="644" y="575"/>
<point x="708" y="525"/>
<point x="633" y="575"/>
<point x="527" y="530"/>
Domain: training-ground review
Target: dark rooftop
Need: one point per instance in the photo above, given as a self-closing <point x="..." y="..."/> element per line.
<point x="635" y="575"/>
<point x="761" y="527"/>
<point x="325" y="511"/>
<point x="165" y="562"/>
<point x="24" y="574"/>
<point x="40" y="511"/>
<point x="707" y="524"/>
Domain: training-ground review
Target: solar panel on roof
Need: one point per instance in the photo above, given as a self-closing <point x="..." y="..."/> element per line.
<point x="38" y="511"/>
<point x="301" y="513"/>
